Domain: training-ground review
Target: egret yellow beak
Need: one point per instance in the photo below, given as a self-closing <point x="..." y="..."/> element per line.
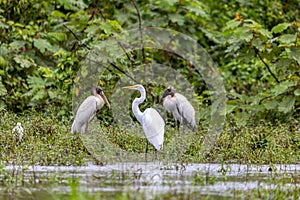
<point x="130" y="87"/>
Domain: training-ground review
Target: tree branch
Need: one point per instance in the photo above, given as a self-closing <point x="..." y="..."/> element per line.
<point x="127" y="55"/>
<point x="77" y="37"/>
<point x="266" y="65"/>
<point x="111" y="63"/>
<point x="140" y="28"/>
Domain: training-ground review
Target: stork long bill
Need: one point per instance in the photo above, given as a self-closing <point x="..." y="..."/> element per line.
<point x="105" y="99"/>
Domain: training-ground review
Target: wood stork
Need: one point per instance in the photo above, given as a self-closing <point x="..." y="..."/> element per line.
<point x="88" y="109"/>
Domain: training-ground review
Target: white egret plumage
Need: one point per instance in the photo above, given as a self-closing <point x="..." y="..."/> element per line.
<point x="88" y="109"/>
<point x="151" y="121"/>
<point x="18" y="131"/>
<point x="180" y="107"/>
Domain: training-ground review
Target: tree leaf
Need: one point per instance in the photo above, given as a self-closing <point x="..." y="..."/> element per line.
<point x="2" y="62"/>
<point x="287" y="38"/>
<point x="232" y="24"/>
<point x="280" y="27"/>
<point x="295" y="54"/>
<point x="258" y="43"/>
<point x="265" y="33"/>
<point x="58" y="37"/>
<point x="43" y="44"/>
<point x="36" y="83"/>
<point x="39" y="95"/>
<point x="297" y="92"/>
<point x="269" y="105"/>
<point x="197" y="8"/>
<point x="282" y="87"/>
<point x="3" y="90"/>
<point x="24" y="61"/>
<point x="176" y="18"/>
<point x="58" y="14"/>
<point x="230" y="108"/>
<point x="244" y="33"/>
<point x="74" y="5"/>
<point x="17" y="44"/>
<point x="286" y="104"/>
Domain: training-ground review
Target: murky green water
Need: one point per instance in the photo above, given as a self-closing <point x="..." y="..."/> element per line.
<point x="151" y="179"/>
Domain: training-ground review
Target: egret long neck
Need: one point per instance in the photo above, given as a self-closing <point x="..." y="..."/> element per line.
<point x="135" y="105"/>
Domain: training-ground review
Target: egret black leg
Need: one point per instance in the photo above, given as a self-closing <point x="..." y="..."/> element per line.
<point x="146" y="150"/>
<point x="147" y="147"/>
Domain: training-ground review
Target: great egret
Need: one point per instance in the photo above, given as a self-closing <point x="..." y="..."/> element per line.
<point x="180" y="107"/>
<point x="18" y="131"/>
<point x="87" y="110"/>
<point x="151" y="121"/>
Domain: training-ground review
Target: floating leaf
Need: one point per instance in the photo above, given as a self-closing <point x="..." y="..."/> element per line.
<point x="280" y="27"/>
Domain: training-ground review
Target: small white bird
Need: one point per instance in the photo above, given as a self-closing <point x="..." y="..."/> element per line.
<point x="151" y="121"/>
<point x="18" y="131"/>
<point x="180" y="107"/>
<point x="88" y="109"/>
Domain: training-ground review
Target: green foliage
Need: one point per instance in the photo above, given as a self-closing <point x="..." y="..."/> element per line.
<point x="43" y="45"/>
<point x="40" y="57"/>
<point x="266" y="60"/>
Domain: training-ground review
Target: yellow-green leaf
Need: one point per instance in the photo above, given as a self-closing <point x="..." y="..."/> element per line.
<point x="287" y="38"/>
<point x="297" y="92"/>
<point x="280" y="27"/>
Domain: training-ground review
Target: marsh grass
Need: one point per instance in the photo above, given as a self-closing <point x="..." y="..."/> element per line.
<point x="48" y="141"/>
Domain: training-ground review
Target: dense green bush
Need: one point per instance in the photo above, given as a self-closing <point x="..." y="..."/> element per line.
<point x="255" y="44"/>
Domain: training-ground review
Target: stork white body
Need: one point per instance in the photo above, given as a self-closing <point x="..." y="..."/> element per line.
<point x="88" y="109"/>
<point x="180" y="107"/>
<point x="151" y="121"/>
